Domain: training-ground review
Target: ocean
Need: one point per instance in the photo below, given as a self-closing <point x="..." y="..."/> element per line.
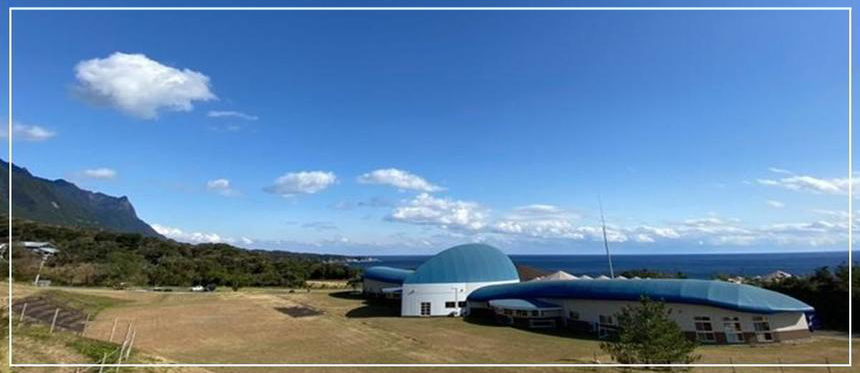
<point x="702" y="266"/>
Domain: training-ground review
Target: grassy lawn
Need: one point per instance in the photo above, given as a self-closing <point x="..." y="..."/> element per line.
<point x="247" y="327"/>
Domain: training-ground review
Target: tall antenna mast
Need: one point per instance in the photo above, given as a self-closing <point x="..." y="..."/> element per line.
<point x="605" y="241"/>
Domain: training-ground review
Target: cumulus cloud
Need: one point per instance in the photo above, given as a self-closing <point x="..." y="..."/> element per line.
<point x="775" y="204"/>
<point x="139" y="86"/>
<point x="100" y="173"/>
<point x="425" y="209"/>
<point x="221" y="186"/>
<point x="190" y="237"/>
<point x="400" y="179"/>
<point x="807" y="183"/>
<point x="231" y="114"/>
<point x="305" y="182"/>
<point x="28" y="132"/>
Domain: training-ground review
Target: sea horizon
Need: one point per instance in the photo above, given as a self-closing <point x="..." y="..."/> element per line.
<point x="697" y="265"/>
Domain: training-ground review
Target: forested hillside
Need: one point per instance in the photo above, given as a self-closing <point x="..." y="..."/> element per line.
<point x="93" y="257"/>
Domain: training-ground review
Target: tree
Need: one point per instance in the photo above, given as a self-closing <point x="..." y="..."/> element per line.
<point x="646" y="335"/>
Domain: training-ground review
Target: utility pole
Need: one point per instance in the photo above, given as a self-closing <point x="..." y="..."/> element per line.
<point x="605" y="240"/>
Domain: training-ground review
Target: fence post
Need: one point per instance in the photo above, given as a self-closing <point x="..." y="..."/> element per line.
<point x="86" y="322"/>
<point x="23" y="311"/>
<point x="781" y="368"/>
<point x="130" y="343"/>
<point x="112" y="330"/>
<point x="102" y="365"/>
<point x="827" y="361"/>
<point x="54" y="321"/>
<point x="731" y="361"/>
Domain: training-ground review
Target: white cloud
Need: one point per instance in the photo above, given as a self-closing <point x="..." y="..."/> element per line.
<point x="190" y="237"/>
<point x="779" y="171"/>
<point x="398" y="178"/>
<point x="320" y="226"/>
<point x="231" y="114"/>
<point x="100" y="173"/>
<point x="538" y="209"/>
<point x="139" y="86"/>
<point x="221" y="186"/>
<point x="305" y="182"/>
<point x="807" y="183"/>
<point x="28" y="132"/>
<point x="425" y="209"/>
<point x="775" y="204"/>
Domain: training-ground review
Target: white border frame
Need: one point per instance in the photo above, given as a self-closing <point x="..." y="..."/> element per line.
<point x="850" y="180"/>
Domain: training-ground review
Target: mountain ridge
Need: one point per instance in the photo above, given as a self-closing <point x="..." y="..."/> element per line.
<point x="61" y="202"/>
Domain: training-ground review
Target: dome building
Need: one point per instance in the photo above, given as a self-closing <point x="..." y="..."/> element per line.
<point x="439" y="287"/>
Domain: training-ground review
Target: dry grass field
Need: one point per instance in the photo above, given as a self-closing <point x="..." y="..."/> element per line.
<point x="250" y="326"/>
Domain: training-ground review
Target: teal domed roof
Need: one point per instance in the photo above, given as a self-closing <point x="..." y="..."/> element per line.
<point x="465" y="263"/>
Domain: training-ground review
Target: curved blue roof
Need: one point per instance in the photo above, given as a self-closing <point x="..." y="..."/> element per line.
<point x="721" y="294"/>
<point x="466" y="263"/>
<point x="387" y="274"/>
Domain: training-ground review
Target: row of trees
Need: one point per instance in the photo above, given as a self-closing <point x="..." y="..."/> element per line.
<point x="98" y="258"/>
<point x="826" y="290"/>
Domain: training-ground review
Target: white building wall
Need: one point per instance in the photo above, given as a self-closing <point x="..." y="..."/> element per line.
<point x="375" y="286"/>
<point x="683" y="314"/>
<point x="437" y="295"/>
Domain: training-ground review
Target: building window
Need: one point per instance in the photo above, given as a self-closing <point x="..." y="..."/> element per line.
<point x="450" y="304"/>
<point x="425" y="308"/>
<point x="762" y="329"/>
<point x="535" y="313"/>
<point x="606" y="320"/>
<point x="522" y="313"/>
<point x="732" y="328"/>
<point x="704" y="329"/>
<point x="508" y="312"/>
<point x="573" y="315"/>
<point x="462" y="304"/>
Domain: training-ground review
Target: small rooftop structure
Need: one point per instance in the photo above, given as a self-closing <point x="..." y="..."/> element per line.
<point x="776" y="276"/>
<point x="43" y="248"/>
<point x="559" y="275"/>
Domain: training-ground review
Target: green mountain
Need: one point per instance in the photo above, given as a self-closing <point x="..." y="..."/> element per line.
<point x="60" y="202"/>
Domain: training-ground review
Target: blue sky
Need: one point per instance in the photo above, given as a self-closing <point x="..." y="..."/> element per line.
<point x="406" y="132"/>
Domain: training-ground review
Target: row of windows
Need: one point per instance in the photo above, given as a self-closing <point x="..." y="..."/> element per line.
<point x="521" y="313"/>
<point x="453" y="304"/>
<point x="705" y="329"/>
<point x="732" y="329"/>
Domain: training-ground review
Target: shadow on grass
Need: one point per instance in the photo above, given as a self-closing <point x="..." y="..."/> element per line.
<point x="370" y="307"/>
<point x="368" y="311"/>
<point x="347" y="295"/>
<point x="555" y="332"/>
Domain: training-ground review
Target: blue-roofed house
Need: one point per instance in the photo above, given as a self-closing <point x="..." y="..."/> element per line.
<point x="708" y="311"/>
